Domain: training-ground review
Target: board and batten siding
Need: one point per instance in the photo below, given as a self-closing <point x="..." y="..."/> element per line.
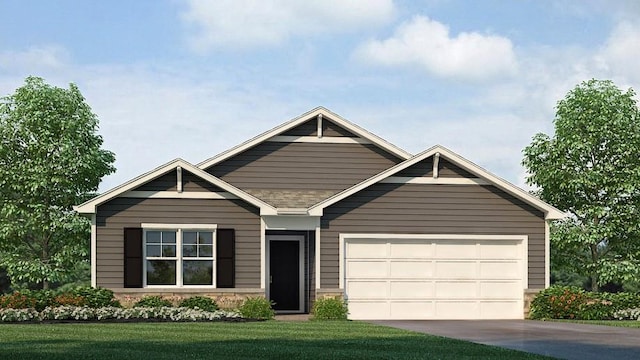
<point x="303" y="166"/>
<point x="119" y="213"/>
<point x="431" y="209"/>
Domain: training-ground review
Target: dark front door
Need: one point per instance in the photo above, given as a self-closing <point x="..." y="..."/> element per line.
<point x="284" y="270"/>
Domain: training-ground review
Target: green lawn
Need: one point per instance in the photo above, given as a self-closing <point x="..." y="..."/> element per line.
<point x="255" y="340"/>
<point x="618" y="323"/>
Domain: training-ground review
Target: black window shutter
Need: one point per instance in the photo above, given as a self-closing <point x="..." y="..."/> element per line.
<point x="225" y="258"/>
<point x="133" y="257"/>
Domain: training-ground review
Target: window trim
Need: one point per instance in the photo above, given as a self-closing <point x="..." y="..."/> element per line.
<point x="179" y="229"/>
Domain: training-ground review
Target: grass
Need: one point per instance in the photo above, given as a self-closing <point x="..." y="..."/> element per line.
<point x="616" y="323"/>
<point x="219" y="340"/>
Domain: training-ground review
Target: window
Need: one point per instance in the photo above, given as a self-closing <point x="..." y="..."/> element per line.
<point x="179" y="256"/>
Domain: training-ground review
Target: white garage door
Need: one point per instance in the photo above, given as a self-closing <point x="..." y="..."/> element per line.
<point x="434" y="277"/>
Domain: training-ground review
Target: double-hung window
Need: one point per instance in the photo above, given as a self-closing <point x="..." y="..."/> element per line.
<point x="179" y="255"/>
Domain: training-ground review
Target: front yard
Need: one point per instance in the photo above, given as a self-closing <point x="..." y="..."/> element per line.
<point x="220" y="340"/>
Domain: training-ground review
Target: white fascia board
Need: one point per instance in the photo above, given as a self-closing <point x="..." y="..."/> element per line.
<point x="376" y="140"/>
<point x="551" y="213"/>
<point x="90" y="206"/>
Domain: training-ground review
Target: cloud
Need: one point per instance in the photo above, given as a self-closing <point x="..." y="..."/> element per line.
<point x="262" y="23"/>
<point x="427" y="44"/>
<point x="621" y="53"/>
<point x="47" y="56"/>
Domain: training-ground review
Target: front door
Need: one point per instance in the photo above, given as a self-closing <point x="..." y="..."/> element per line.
<point x="284" y="273"/>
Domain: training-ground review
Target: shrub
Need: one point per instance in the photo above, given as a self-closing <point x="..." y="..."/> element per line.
<point x="199" y="302"/>
<point x="330" y="308"/>
<point x="69" y="300"/>
<point x="16" y="315"/>
<point x="567" y="302"/>
<point x="17" y="300"/>
<point x="627" y="314"/>
<point x="95" y="297"/>
<point x="257" y="308"/>
<point x="153" y="302"/>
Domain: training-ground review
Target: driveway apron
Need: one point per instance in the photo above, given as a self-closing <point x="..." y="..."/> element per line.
<point x="556" y="339"/>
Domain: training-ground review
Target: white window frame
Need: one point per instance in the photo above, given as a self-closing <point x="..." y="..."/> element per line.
<point x="179" y="229"/>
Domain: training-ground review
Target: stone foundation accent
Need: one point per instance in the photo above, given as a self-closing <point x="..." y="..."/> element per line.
<point x="227" y="299"/>
<point x="325" y="293"/>
<point x="529" y="295"/>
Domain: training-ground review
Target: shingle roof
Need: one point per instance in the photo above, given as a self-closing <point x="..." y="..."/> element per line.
<point x="279" y="198"/>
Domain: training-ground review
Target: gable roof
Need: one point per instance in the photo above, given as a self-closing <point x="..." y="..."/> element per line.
<point x="335" y="118"/>
<point x="550" y="212"/>
<point x="90" y="206"/>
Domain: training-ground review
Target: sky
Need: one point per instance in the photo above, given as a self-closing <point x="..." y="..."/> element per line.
<point x="192" y="78"/>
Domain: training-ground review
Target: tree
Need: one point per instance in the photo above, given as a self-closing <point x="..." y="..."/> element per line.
<point x="50" y="159"/>
<point x="591" y="168"/>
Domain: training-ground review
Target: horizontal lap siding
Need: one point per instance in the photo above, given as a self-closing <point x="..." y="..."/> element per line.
<point x="166" y="182"/>
<point x="431" y="209"/>
<point x="303" y="166"/>
<point x="119" y="213"/>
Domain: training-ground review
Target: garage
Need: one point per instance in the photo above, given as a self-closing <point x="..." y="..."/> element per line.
<point x="417" y="276"/>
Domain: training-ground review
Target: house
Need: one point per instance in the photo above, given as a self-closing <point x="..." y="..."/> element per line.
<point x="319" y="206"/>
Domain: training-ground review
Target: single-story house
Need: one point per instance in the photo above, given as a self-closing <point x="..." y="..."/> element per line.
<point x="319" y="206"/>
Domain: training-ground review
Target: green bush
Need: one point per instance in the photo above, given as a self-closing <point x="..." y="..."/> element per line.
<point x="258" y="308"/>
<point x="568" y="302"/>
<point x="153" y="301"/>
<point x="330" y="308"/>
<point x="42" y="298"/>
<point x="199" y="302"/>
<point x="95" y="297"/>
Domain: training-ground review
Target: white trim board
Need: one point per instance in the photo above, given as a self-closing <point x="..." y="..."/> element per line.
<point x="319" y="140"/>
<point x="434" y="181"/>
<point x="178" y="195"/>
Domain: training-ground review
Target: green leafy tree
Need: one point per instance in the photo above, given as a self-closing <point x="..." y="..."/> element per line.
<point x="50" y="159"/>
<point x="591" y="168"/>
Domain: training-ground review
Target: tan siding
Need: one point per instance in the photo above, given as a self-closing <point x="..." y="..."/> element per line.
<point x="309" y="166"/>
<point x="119" y="213"/>
<point x="431" y="209"/>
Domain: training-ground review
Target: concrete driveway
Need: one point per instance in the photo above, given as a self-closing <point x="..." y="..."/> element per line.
<point x="556" y="339"/>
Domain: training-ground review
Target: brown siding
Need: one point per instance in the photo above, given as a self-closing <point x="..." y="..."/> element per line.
<point x="431" y="209"/>
<point x="309" y="166"/>
<point x="191" y="182"/>
<point x="115" y="215"/>
<point x="166" y="182"/>
<point x="446" y="169"/>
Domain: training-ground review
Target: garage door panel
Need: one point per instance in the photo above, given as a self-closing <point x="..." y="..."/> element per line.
<point x="500" y="250"/>
<point x="368" y="289"/>
<point x="367" y="268"/>
<point x="411" y="289"/>
<point x="411" y="250"/>
<point x="411" y="269"/>
<point x="500" y="309"/>
<point x="500" y="270"/>
<point x="457" y="310"/>
<point x="456" y="269"/>
<point x="456" y="250"/>
<point x="456" y="289"/>
<point x="371" y="249"/>
<point x="407" y="310"/>
<point x="499" y="290"/>
<point x="365" y="310"/>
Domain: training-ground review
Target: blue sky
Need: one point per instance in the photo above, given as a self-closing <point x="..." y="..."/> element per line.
<point x="189" y="79"/>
